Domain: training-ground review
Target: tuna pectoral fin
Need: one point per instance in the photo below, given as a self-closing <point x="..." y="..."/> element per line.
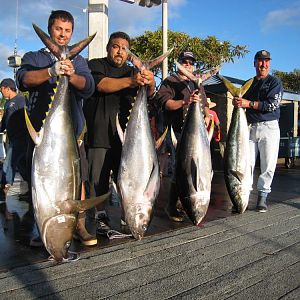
<point x="91" y="202"/>
<point x="238" y="175"/>
<point x="211" y="130"/>
<point x="36" y="137"/>
<point x="161" y="139"/>
<point x="194" y="174"/>
<point x="120" y="131"/>
<point x="151" y="188"/>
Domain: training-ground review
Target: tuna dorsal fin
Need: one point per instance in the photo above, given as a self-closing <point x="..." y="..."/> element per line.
<point x="161" y="139"/>
<point x="91" y="202"/>
<point x="137" y="62"/>
<point x="234" y="91"/>
<point x="246" y="87"/>
<point x="173" y="138"/>
<point x="33" y="134"/>
<point x="59" y="51"/>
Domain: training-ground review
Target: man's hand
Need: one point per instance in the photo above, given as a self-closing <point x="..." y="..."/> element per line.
<point x="63" y="67"/>
<point x="240" y="102"/>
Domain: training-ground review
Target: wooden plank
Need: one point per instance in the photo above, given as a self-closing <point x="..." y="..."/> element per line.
<point x="129" y="260"/>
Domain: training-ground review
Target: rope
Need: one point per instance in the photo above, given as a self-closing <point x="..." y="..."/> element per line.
<point x="114" y="234"/>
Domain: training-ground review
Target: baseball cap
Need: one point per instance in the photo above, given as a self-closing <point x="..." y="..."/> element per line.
<point x="186" y="55"/>
<point x="262" y="54"/>
<point x="8" y="82"/>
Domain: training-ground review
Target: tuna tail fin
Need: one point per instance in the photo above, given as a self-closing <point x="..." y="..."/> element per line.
<point x="59" y="51"/>
<point x="156" y="61"/>
<point x="234" y="91"/>
<point x="36" y="137"/>
<point x="161" y="139"/>
<point x="83" y="205"/>
<point x="48" y="42"/>
<point x="137" y="62"/>
<point x="199" y="78"/>
<point x="246" y="87"/>
<point x="78" y="47"/>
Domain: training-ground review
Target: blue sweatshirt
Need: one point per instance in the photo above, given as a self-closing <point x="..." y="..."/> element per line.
<point x="268" y="92"/>
<point x="39" y="96"/>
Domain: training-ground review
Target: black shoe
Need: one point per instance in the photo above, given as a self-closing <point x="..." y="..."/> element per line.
<point x="174" y="215"/>
<point x="261" y="204"/>
<point x="102" y="224"/>
<point x="124" y="227"/>
<point x="36" y="242"/>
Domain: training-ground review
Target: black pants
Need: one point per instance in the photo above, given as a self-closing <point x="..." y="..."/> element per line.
<point x="101" y="162"/>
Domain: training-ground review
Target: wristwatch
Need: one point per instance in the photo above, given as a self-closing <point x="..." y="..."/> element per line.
<point x="251" y="104"/>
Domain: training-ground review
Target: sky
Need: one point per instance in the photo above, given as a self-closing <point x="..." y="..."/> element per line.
<point x="273" y="25"/>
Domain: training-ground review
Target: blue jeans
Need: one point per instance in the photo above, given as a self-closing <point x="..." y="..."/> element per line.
<point x="15" y="159"/>
<point x="264" y="139"/>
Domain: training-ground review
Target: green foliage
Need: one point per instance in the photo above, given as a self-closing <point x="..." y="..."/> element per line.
<point x="290" y="80"/>
<point x="209" y="52"/>
<point x="2" y="102"/>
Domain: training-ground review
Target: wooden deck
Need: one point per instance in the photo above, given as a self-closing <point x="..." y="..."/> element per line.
<point x="249" y="256"/>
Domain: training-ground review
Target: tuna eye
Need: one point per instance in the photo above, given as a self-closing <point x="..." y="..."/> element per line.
<point x="67" y="245"/>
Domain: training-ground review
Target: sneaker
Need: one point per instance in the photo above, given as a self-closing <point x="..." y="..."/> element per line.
<point x="102" y="225"/>
<point x="261" y="204"/>
<point x="174" y="215"/>
<point x="36" y="242"/>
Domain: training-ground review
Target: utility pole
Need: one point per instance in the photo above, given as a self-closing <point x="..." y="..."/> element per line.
<point x="98" y="22"/>
<point x="165" y="37"/>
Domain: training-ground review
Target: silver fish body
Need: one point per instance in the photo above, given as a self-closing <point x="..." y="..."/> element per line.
<point x="237" y="170"/>
<point x="193" y="165"/>
<point x="56" y="176"/>
<point x="138" y="178"/>
<point x="56" y="164"/>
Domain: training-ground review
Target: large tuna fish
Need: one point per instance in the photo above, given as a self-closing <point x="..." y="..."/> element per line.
<point x="56" y="165"/>
<point x="193" y="159"/>
<point x="237" y="169"/>
<point x="138" y="178"/>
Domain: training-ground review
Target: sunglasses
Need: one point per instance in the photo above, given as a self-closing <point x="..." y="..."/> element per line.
<point x="187" y="62"/>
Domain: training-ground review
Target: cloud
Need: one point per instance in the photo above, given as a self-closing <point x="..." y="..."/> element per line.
<point x="5" y="52"/>
<point x="282" y="17"/>
<point x="134" y="19"/>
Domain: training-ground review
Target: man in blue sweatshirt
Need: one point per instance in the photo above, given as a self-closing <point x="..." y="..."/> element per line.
<point x="262" y="101"/>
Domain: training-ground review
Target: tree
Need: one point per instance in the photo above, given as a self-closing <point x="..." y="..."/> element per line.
<point x="209" y="52"/>
<point x="290" y="80"/>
